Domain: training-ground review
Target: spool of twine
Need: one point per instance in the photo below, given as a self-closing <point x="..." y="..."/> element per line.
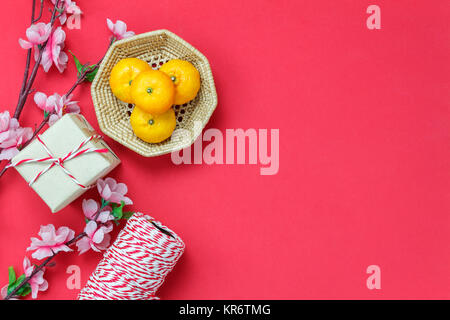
<point x="135" y="266"/>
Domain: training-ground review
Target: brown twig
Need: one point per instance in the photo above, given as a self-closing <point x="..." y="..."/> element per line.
<point x="40" y="12"/>
<point x="27" y="64"/>
<point x="80" y="79"/>
<point x="27" y="83"/>
<point x="38" y="129"/>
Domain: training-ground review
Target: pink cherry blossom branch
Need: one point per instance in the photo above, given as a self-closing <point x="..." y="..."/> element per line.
<point x="28" y="82"/>
<point x="110" y="192"/>
<point x="28" y="61"/>
<point x="27" y="64"/>
<point x="42" y="265"/>
<point x="50" y="258"/>
<point x="38" y="35"/>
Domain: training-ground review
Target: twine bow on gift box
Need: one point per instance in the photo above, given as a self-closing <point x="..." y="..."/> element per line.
<point x="55" y="161"/>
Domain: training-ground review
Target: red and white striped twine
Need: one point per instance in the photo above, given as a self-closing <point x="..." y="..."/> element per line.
<point x="54" y="161"/>
<point x="135" y="266"/>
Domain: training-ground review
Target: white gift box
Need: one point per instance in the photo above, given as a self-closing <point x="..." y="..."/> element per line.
<point x="75" y="157"/>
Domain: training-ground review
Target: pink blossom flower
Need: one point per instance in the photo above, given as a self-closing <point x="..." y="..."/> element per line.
<point x="16" y="138"/>
<point x="42" y="101"/>
<point x="37" y="282"/>
<point x="53" y="53"/>
<point x="12" y="136"/>
<point x="97" y="238"/>
<point x="7" y="124"/>
<point x="91" y="208"/>
<point x="119" y="29"/>
<point x="4" y="293"/>
<point x="37" y="34"/>
<point x="52" y="241"/>
<point x="69" y="7"/>
<point x="112" y="191"/>
<point x="62" y="105"/>
<point x="56" y="105"/>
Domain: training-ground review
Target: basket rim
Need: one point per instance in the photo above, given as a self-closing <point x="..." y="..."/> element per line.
<point x="204" y="121"/>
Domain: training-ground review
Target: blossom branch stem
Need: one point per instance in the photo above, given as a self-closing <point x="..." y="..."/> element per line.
<point x="27" y="64"/>
<point x="25" y="75"/>
<point x="40" y="12"/>
<point x="42" y="265"/>
<point x="80" y="79"/>
<point x="25" y="281"/>
<point x="37" y="130"/>
<point x="26" y="85"/>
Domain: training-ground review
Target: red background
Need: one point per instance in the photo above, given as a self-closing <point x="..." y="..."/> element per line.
<point x="364" y="149"/>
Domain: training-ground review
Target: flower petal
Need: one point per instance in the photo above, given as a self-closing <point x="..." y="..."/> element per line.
<point x="128" y="34"/>
<point x="121" y="188"/>
<point x="34" y="290"/>
<point x="127" y="201"/>
<point x="44" y="286"/>
<point x="106" y="193"/>
<point x="47" y="232"/>
<point x="83" y="245"/>
<point x="90" y="228"/>
<point x="105" y="216"/>
<point x="42" y="253"/>
<point x="53" y="118"/>
<point x="8" y="154"/>
<point x="120" y="28"/>
<point x="112" y="183"/>
<point x="46" y="60"/>
<point x="41" y="100"/>
<point x="33" y="34"/>
<point x="100" y="185"/>
<point x="98" y="236"/>
<point x="26" y="263"/>
<point x="105" y="243"/>
<point x="25" y="44"/>
<point x="110" y="25"/>
<point x="115" y="197"/>
<point x="63" y="234"/>
<point x="90" y="208"/>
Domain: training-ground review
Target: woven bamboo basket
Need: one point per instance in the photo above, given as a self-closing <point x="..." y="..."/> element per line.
<point x="156" y="47"/>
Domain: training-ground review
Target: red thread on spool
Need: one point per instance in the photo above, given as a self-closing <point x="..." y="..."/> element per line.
<point x="135" y="266"/>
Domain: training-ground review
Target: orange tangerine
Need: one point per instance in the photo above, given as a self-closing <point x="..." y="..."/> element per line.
<point x="185" y="77"/>
<point x="122" y="76"/>
<point x="150" y="128"/>
<point x="153" y="92"/>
